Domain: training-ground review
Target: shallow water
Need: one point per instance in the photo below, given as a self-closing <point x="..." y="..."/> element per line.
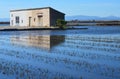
<point x="73" y="54"/>
<point x="4" y="24"/>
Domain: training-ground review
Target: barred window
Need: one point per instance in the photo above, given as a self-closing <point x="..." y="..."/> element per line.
<point x="17" y="19"/>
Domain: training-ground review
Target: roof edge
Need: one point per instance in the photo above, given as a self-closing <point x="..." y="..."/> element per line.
<point x="57" y="10"/>
<point x="29" y="9"/>
<point x="35" y="9"/>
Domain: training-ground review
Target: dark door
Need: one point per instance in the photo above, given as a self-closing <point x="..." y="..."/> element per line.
<point x="29" y="21"/>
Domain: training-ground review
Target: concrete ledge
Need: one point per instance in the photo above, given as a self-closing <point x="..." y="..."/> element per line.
<point x="9" y="28"/>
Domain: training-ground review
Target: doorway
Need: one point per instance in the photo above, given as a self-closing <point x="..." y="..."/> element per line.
<point x="30" y="21"/>
<point x="40" y="21"/>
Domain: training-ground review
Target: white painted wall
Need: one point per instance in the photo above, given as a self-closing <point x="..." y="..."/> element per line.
<point x="23" y="15"/>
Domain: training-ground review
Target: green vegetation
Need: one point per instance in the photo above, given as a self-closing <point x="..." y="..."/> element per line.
<point x="61" y="24"/>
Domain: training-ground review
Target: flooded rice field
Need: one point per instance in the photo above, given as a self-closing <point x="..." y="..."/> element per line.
<point x="4" y="25"/>
<point x="67" y="54"/>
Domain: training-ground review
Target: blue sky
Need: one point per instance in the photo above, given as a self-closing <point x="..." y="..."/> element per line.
<point x="69" y="7"/>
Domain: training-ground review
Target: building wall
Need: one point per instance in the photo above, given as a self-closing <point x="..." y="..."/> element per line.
<point x="48" y="17"/>
<point x="23" y="16"/>
<point x="45" y="17"/>
<point x="54" y="16"/>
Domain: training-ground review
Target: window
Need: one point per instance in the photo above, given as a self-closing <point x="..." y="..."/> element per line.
<point x="21" y="21"/>
<point x="17" y="19"/>
<point x="12" y="22"/>
<point x="34" y="19"/>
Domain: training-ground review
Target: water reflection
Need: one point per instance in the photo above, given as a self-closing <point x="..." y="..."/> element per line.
<point x="44" y="42"/>
<point x="71" y="57"/>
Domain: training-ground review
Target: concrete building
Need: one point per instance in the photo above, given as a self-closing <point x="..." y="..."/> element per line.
<point x="35" y="17"/>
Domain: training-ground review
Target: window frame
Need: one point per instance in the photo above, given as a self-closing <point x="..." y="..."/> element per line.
<point x="17" y="19"/>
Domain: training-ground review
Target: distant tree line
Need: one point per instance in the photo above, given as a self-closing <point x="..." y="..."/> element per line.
<point x="4" y="22"/>
<point x="93" y="22"/>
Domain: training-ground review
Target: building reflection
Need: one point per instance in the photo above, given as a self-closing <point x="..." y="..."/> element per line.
<point x="45" y="41"/>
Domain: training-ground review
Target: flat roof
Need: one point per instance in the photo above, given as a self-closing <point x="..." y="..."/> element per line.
<point x="35" y="9"/>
